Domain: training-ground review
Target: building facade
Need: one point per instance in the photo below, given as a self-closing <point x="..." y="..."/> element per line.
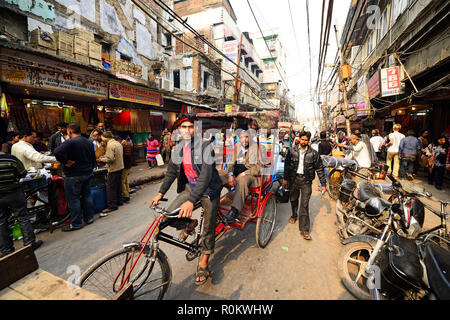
<point x="396" y="66"/>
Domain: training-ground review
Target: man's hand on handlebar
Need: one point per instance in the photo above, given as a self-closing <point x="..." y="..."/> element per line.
<point x="186" y="210"/>
<point x="156" y="200"/>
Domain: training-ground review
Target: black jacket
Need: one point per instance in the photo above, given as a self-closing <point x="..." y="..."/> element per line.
<point x="80" y="150"/>
<point x="208" y="183"/>
<point x="54" y="141"/>
<point x="312" y="163"/>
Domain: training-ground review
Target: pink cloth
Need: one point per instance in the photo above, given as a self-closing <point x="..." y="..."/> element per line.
<point x="189" y="171"/>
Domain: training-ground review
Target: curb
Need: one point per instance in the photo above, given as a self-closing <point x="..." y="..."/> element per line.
<point x="143" y="180"/>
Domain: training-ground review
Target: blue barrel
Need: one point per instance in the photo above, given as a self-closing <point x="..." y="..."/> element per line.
<point x="98" y="193"/>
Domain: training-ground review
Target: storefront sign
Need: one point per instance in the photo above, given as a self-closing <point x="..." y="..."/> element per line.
<point x="30" y="70"/>
<point x="373" y="85"/>
<point x="126" y="92"/>
<point x="362" y="92"/>
<point x="361" y="109"/>
<point x="391" y="82"/>
<point x="230" y="48"/>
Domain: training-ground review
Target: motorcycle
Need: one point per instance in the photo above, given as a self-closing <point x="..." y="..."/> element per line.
<point x="395" y="267"/>
<point x="362" y="209"/>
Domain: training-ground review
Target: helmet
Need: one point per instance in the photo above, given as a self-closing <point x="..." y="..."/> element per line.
<point x="282" y="194"/>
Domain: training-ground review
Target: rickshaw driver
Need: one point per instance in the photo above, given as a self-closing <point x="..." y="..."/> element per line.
<point x="243" y="173"/>
<point x="196" y="182"/>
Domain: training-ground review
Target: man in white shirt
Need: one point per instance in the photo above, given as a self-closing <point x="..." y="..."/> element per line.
<point x="26" y="153"/>
<point x="360" y="154"/>
<point x="376" y="141"/>
<point x="392" y="151"/>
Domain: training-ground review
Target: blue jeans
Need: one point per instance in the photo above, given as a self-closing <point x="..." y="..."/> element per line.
<point x="78" y="195"/>
<point x="326" y="171"/>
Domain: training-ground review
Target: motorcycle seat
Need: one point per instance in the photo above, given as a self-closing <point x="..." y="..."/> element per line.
<point x="437" y="262"/>
<point x="366" y="191"/>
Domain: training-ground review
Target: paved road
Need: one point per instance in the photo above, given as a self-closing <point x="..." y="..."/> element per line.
<point x="288" y="268"/>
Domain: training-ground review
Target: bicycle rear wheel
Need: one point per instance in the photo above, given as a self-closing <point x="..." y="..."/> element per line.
<point x="150" y="277"/>
<point x="266" y="223"/>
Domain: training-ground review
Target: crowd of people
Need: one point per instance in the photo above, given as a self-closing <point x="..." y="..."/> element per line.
<point x="406" y="155"/>
<point x="79" y="156"/>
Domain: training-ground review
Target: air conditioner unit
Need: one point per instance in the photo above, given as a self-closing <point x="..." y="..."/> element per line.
<point x="165" y="84"/>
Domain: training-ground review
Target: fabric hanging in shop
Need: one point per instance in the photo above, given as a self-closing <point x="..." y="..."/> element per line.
<point x="100" y="117"/>
<point x="122" y="119"/>
<point x="80" y="120"/>
<point x="404" y="120"/>
<point x="4" y="107"/>
<point x="86" y="113"/>
<point x="140" y="139"/>
<point x="156" y="124"/>
<point x="69" y="115"/>
<point x="139" y="121"/>
<point x="18" y="113"/>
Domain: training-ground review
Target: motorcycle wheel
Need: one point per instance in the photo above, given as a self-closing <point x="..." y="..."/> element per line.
<point x="351" y="266"/>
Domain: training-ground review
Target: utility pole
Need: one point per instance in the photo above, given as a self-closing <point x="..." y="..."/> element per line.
<point x="237" y="86"/>
<point x="342" y="84"/>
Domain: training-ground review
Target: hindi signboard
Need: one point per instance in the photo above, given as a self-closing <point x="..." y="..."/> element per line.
<point x="126" y="92"/>
<point x="29" y="70"/>
<point x="230" y="49"/>
<point x="373" y="85"/>
<point x="391" y="84"/>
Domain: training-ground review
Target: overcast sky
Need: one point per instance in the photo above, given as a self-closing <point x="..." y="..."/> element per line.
<point x="275" y="15"/>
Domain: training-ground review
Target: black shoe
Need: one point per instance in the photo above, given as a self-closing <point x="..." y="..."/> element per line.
<point x="70" y="228"/>
<point x="37" y="244"/>
<point x="126" y="200"/>
<point x="231" y="216"/>
<point x="90" y="221"/>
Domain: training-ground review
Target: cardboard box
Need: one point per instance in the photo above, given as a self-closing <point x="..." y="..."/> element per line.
<point x="80" y="46"/>
<point x="64" y="41"/>
<point x="83" y="33"/>
<point x="65" y="54"/>
<point x="36" y="39"/>
<point x="95" y="50"/>
<point x="95" y="62"/>
<point x="82" y="58"/>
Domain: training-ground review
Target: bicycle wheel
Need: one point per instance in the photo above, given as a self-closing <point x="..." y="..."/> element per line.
<point x="150" y="277"/>
<point x="334" y="184"/>
<point x="266" y="223"/>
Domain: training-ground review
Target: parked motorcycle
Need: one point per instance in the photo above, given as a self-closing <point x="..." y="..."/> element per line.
<point x="395" y="267"/>
<point x="364" y="209"/>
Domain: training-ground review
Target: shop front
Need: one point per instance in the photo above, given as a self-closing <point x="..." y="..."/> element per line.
<point x="40" y="92"/>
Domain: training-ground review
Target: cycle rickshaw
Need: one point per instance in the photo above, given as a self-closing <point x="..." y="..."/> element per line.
<point x="146" y="267"/>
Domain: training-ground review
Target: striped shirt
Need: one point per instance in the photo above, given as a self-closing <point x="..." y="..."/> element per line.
<point x="11" y="171"/>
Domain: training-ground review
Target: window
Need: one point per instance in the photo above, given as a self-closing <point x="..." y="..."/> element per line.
<point x="205" y="80"/>
<point x="176" y="79"/>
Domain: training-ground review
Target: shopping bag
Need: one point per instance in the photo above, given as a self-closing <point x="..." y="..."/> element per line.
<point x="159" y="160"/>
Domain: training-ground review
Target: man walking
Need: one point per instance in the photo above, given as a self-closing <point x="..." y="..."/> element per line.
<point x="78" y="159"/>
<point x="114" y="162"/>
<point x="325" y="149"/>
<point x="407" y="151"/>
<point x="392" y="152"/>
<point x="12" y="201"/>
<point x="299" y="171"/>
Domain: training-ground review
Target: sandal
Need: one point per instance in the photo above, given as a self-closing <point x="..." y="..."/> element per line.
<point x="202" y="272"/>
<point x="292" y="220"/>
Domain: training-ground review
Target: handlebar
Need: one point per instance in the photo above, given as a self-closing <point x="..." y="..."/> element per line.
<point x="167" y="214"/>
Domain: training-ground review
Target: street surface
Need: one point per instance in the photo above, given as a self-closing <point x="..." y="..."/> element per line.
<point x="288" y="268"/>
